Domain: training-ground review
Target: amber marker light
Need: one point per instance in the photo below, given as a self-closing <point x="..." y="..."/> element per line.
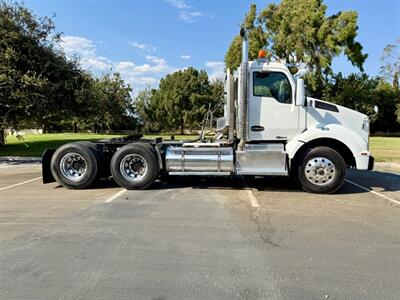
<point x="262" y="54"/>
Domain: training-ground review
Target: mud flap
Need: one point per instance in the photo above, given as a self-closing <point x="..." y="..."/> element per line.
<point x="46" y="171"/>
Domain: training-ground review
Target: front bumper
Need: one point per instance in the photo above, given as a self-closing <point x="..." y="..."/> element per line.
<point x="364" y="161"/>
<point x="371" y="162"/>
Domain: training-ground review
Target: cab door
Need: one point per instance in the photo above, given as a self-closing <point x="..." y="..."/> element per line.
<point x="272" y="113"/>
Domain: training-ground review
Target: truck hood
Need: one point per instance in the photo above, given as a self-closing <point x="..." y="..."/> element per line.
<point x="322" y="113"/>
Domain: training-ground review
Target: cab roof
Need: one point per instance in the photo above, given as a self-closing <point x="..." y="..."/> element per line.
<point x="265" y="64"/>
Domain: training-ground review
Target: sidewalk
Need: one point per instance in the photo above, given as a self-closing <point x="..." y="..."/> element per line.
<point x="18" y="160"/>
<point x="387" y="167"/>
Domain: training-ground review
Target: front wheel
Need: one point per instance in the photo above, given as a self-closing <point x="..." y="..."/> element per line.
<point x="321" y="170"/>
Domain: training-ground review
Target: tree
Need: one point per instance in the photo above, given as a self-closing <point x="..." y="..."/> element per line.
<point x="112" y="106"/>
<point x="20" y="86"/>
<point x="217" y="95"/>
<point x="146" y="110"/>
<point x="388" y="99"/>
<point x="142" y="108"/>
<point x="391" y="59"/>
<point x="183" y="98"/>
<point x="38" y="83"/>
<point x="299" y="31"/>
<point x="361" y="93"/>
<point x="41" y="87"/>
<point x="353" y="91"/>
<point x="180" y="102"/>
<point x="391" y="69"/>
<point x="257" y="38"/>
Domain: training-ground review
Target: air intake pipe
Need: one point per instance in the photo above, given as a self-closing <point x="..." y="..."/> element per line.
<point x="243" y="101"/>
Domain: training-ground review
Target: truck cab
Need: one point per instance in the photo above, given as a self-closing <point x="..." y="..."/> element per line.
<point x="273" y="114"/>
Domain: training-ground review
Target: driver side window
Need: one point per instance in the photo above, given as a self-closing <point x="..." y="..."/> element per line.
<point x="272" y="84"/>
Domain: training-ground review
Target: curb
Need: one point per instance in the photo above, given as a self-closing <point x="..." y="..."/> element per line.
<point x="20" y="159"/>
<point x="387" y="167"/>
<point x="387" y="164"/>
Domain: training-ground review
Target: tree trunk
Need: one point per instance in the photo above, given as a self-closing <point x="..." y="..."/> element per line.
<point x="396" y="80"/>
<point x="182" y="128"/>
<point x="75" y="127"/>
<point x="2" y="136"/>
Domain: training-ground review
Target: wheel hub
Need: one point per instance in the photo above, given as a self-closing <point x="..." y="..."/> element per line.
<point x="320" y="171"/>
<point x="133" y="167"/>
<point x="73" y="166"/>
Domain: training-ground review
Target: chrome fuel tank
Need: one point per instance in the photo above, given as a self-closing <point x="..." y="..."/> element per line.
<point x="201" y="160"/>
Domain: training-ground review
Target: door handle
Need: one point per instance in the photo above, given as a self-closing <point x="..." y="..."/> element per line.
<point x="257" y="128"/>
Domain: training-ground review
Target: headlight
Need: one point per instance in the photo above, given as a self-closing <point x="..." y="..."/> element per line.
<point x="365" y="125"/>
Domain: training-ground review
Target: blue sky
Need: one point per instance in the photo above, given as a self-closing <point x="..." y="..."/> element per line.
<point x="144" y="40"/>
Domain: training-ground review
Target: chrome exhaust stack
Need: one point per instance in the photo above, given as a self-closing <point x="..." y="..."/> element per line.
<point x="230" y="105"/>
<point x="243" y="101"/>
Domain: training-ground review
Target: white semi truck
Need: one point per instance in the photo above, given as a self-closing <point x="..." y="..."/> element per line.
<point x="269" y="127"/>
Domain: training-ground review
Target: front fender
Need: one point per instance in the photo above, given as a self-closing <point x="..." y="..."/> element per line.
<point x="357" y="145"/>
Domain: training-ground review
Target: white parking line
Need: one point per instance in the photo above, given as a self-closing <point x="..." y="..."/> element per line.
<point x="249" y="191"/>
<point x="21" y="183"/>
<point x="115" y="196"/>
<point x="373" y="192"/>
<point x="252" y="198"/>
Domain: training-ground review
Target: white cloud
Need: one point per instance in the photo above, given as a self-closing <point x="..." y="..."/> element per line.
<point x="77" y="45"/>
<point x="186" y="12"/>
<point x="155" y="66"/>
<point x="156" y="60"/>
<point x="148" y="81"/>
<point x="138" y="75"/>
<point x="98" y="63"/>
<point x="192" y="16"/>
<point x="144" y="47"/>
<point x="215" y="69"/>
<point x="148" y="74"/>
<point x="181" y="4"/>
<point x="85" y="50"/>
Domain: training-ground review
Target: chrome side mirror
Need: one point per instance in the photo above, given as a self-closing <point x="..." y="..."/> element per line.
<point x="300" y="95"/>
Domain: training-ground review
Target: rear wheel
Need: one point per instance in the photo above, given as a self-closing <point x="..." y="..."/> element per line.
<point x="76" y="165"/>
<point x="135" y="166"/>
<point x="321" y="170"/>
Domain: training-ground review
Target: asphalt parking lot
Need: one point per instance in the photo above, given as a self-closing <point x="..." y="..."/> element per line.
<point x="194" y="238"/>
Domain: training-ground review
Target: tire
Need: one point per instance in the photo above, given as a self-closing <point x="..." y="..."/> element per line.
<point x="83" y="157"/>
<point x="320" y="170"/>
<point x="135" y="166"/>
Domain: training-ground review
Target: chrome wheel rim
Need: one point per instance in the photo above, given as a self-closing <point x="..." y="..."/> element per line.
<point x="73" y="166"/>
<point x="320" y="171"/>
<point x="133" y="167"/>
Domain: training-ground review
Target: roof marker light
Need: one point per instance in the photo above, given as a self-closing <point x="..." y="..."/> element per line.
<point x="262" y="54"/>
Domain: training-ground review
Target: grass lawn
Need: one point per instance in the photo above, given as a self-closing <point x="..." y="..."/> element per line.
<point x="385" y="149"/>
<point x="34" y="144"/>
